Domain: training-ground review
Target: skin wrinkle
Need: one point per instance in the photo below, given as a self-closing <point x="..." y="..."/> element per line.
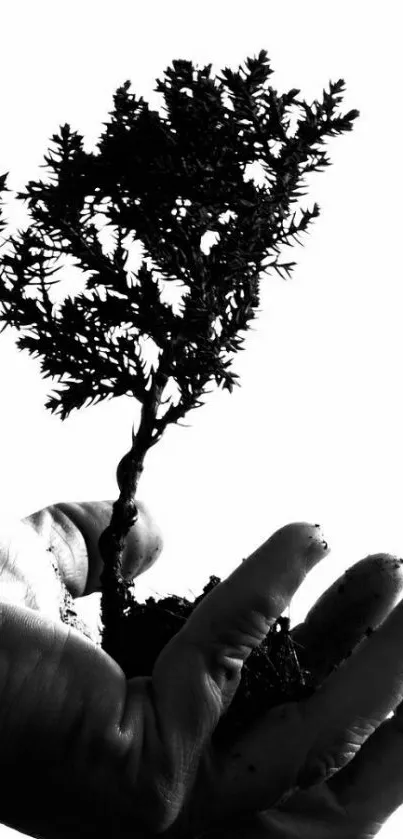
<point x="37" y="587"/>
<point x="152" y="802"/>
<point x="63" y="538"/>
<point x="55" y="548"/>
<point x="69" y="570"/>
<point x="9" y="560"/>
<point x="10" y="573"/>
<point x="55" y="537"/>
<point x="18" y="705"/>
<point x="323" y="763"/>
<point x="86" y="750"/>
<point x="114" y="743"/>
<point x="353" y="791"/>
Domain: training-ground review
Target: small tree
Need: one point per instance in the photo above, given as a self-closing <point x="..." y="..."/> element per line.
<point x="164" y="180"/>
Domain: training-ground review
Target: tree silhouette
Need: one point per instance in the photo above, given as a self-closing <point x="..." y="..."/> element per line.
<point x="164" y="180"/>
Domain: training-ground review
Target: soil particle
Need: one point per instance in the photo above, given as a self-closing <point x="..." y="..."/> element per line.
<point x="272" y="674"/>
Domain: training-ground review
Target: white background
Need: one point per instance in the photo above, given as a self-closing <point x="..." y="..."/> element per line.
<point x="315" y="431"/>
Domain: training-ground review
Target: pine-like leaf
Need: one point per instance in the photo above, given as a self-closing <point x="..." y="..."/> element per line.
<point x="166" y="180"/>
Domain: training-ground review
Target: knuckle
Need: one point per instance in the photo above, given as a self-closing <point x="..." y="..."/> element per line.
<point x="318" y="770"/>
<point x="321" y="767"/>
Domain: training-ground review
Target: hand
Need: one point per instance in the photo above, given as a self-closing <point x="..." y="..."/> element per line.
<point x="85" y="752"/>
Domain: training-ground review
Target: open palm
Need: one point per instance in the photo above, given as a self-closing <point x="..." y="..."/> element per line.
<point x="86" y="752"/>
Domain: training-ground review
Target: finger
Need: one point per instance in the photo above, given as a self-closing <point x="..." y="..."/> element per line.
<point x="370" y="788"/>
<point x="72" y="530"/>
<point x="351" y="608"/>
<point x="299" y="744"/>
<point x="354" y="701"/>
<point x="197" y="673"/>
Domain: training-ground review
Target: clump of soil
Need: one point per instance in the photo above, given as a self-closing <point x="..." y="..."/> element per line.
<point x="272" y="674"/>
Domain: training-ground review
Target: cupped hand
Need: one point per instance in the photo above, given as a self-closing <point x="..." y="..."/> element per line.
<point x="83" y="751"/>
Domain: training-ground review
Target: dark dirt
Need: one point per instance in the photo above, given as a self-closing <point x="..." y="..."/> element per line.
<point x="271" y="676"/>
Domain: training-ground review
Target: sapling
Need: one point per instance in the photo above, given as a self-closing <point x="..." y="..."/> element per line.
<point x="161" y="181"/>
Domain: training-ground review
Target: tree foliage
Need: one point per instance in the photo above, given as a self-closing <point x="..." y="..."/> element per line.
<point x="164" y="180"/>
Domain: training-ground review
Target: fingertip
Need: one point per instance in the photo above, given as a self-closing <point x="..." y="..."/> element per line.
<point x="318" y="547"/>
<point x="301" y="541"/>
<point x="266" y="581"/>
